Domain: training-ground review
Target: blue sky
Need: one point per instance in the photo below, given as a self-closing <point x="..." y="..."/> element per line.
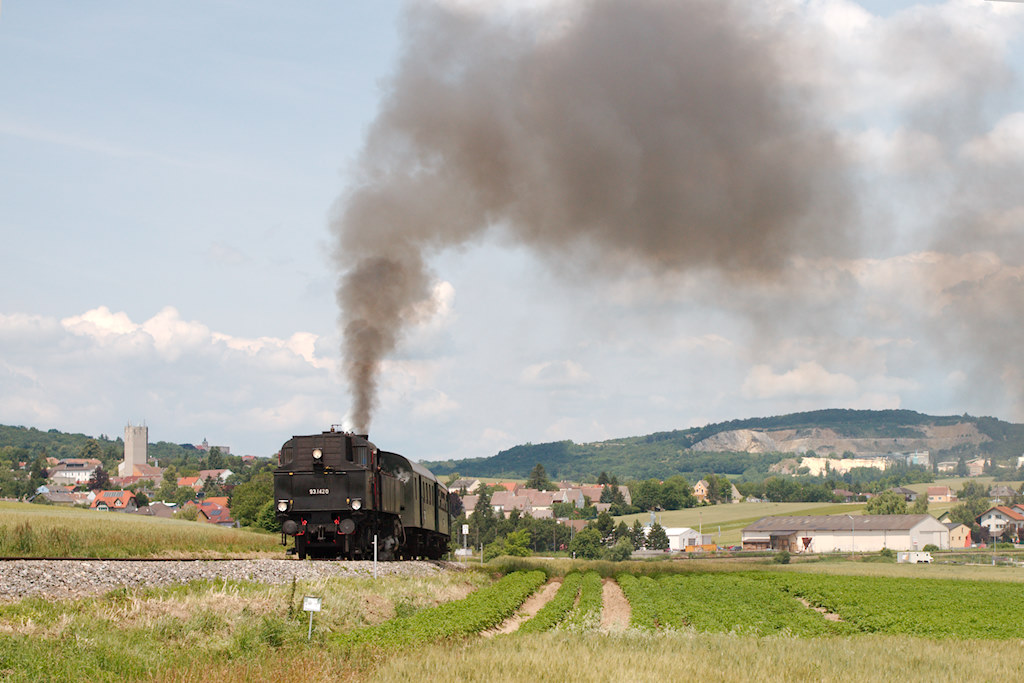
<point x="168" y="171"/>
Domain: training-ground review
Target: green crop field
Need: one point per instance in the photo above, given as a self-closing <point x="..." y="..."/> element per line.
<point x="49" y="531"/>
<point x="711" y="620"/>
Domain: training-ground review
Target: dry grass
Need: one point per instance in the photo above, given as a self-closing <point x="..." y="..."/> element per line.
<point x="50" y="531"/>
<point x="682" y="655"/>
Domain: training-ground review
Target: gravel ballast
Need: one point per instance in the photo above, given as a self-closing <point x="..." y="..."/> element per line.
<point x="77" y="578"/>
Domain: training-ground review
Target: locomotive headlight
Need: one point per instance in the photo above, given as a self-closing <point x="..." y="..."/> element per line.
<point x="317" y="454"/>
<point x="356" y="503"/>
<point x="282" y="506"/>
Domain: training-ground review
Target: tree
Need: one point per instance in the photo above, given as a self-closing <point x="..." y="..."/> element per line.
<point x="99" y="479"/>
<point x="267" y="517"/>
<point x="586" y="544"/>
<point x="920" y="505"/>
<point x="647" y="495"/>
<point x="248" y="498"/>
<point x="215" y="459"/>
<point x="602" y="479"/>
<point x="517" y="543"/>
<point x="605" y="524"/>
<point x="482" y="520"/>
<point x="887" y="503"/>
<point x="636" y="535"/>
<point x="538" y="479"/>
<point x="622" y="550"/>
<point x="972" y="489"/>
<point x="92" y="450"/>
<point x="657" y="539"/>
<point x="39" y="470"/>
<point x="182" y="495"/>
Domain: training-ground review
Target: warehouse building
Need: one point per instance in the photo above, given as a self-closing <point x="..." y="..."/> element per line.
<point x="845" y="533"/>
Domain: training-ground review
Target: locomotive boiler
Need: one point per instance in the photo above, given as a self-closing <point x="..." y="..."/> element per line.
<point x="335" y="492"/>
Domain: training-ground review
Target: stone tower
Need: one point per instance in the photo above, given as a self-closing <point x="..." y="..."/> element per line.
<point x="136" y="446"/>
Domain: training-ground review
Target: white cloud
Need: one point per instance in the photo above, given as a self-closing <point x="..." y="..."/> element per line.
<point x="95" y="370"/>
<point x="560" y="374"/>
<point x="100" y="324"/>
<point x="434" y="405"/>
<point x="806" y="379"/>
<point x="1004" y="144"/>
<point x="896" y="152"/>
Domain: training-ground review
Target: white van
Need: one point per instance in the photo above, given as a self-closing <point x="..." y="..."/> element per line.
<point x="914" y="557"/>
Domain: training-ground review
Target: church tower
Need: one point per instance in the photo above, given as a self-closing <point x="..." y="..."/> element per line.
<point x="136" y="447"/>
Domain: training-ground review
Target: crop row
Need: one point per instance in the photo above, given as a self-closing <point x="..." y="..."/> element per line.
<point x="721" y="602"/>
<point x="557" y="608"/>
<point x="483" y="609"/>
<point x="588" y="610"/>
<point x="933" y="608"/>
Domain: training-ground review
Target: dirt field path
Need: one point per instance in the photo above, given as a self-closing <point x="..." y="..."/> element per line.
<point x="615" y="612"/>
<point x="527" y="609"/>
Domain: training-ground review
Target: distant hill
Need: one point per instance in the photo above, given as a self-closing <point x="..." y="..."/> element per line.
<point x="752" y="445"/>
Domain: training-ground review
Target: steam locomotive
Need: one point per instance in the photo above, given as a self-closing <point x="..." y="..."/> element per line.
<point x="335" y="492"/>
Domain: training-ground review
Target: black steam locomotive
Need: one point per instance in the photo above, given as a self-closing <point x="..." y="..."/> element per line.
<point x="335" y="492"/>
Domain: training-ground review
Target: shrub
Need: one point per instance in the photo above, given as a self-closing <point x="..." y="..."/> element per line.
<point x="887" y="552"/>
<point x="782" y="557"/>
<point x="622" y="550"/>
<point x="930" y="548"/>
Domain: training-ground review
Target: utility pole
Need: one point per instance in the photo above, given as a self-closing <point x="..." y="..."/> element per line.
<point x="853" y="536"/>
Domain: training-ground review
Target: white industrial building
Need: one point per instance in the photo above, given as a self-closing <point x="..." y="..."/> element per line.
<point x="845" y="533"/>
<point x="684" y="537"/>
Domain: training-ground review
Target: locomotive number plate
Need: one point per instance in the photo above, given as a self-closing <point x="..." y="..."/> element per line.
<point x="319" y="492"/>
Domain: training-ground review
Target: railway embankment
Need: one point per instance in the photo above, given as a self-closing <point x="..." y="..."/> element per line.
<point x="77" y="578"/>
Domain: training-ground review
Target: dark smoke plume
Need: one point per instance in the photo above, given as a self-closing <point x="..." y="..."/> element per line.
<point x="655" y="133"/>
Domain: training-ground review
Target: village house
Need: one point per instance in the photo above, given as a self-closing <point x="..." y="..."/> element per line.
<point x="959" y="535"/>
<point x="213" y="512"/>
<point x="221" y="476"/>
<point x="504" y="502"/>
<point x="700" y="491"/>
<point x="909" y="495"/>
<point x="115" y="501"/>
<point x="465" y="485"/>
<point x="845" y="533"/>
<point x="941" y="494"/>
<point x="1001" y="493"/>
<point x="976" y="467"/>
<point x="194" y="483"/>
<point x="1002" y="520"/>
<point x="74" y="471"/>
<point x="844" y="495"/>
<point x="158" y="509"/>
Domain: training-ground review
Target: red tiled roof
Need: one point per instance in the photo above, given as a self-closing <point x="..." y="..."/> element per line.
<point x="1011" y="513"/>
<point x="113" y="499"/>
